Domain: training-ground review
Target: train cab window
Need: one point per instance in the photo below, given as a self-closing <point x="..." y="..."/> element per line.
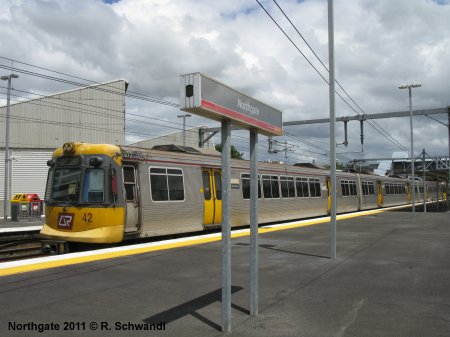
<point x="66" y="184"/>
<point x="301" y="185"/>
<point x="129" y="183"/>
<point x="166" y="184"/>
<point x="48" y="189"/>
<point x="314" y="188"/>
<point x="287" y="187"/>
<point x="94" y="185"/>
<point x="245" y="182"/>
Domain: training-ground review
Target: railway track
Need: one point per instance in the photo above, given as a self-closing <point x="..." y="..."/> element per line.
<point x="25" y="248"/>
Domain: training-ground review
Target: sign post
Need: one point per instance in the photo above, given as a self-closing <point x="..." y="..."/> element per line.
<point x="254" y="258"/>
<point x="204" y="96"/>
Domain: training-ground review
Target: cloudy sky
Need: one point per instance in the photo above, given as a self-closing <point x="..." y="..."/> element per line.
<point x="379" y="44"/>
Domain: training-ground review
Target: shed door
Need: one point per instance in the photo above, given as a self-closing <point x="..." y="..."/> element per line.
<point x="131" y="198"/>
<point x="212" y="191"/>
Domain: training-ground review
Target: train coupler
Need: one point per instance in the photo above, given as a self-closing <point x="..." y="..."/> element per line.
<point x="54" y="247"/>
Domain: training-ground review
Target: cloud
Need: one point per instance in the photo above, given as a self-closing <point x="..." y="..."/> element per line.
<point x="379" y="45"/>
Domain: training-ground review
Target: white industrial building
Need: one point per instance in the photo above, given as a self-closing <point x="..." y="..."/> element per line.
<point x="93" y="114"/>
<point x="189" y="137"/>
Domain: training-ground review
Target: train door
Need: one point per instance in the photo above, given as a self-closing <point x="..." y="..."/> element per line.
<point x="212" y="191"/>
<point x="131" y="198"/>
<point x="408" y="186"/>
<point x="380" y="193"/>
<point x="329" y="195"/>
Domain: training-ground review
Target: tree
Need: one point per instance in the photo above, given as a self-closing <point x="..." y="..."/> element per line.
<point x="339" y="166"/>
<point x="235" y="154"/>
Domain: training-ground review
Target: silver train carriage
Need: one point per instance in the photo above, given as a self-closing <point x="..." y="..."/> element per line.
<point x="101" y="193"/>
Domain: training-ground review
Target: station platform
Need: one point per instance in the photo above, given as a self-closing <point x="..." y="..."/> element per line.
<point x="20" y="226"/>
<point x="390" y="278"/>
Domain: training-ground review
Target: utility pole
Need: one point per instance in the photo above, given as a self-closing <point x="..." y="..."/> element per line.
<point x="424" y="185"/>
<point x="8" y="112"/>
<point x="332" y="130"/>
<point x="409" y="86"/>
<point x="184" y="126"/>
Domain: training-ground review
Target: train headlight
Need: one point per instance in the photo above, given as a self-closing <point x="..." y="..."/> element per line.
<point x="69" y="148"/>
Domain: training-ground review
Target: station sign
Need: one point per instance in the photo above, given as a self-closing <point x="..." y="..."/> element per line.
<point x="206" y="97"/>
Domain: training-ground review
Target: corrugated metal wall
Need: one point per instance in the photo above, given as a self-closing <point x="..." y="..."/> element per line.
<point x="2" y="175"/>
<point x="94" y="114"/>
<point x="29" y="171"/>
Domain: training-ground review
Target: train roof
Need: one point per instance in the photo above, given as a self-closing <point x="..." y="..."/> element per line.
<point x="177" y="154"/>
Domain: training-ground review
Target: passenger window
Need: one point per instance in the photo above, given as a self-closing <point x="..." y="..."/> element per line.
<point x="176" y="188"/>
<point x="166" y="184"/>
<point x="301" y="185"/>
<point x="348" y="188"/>
<point x="275" y="187"/>
<point x="245" y="181"/>
<point x="314" y="187"/>
<point x="267" y="187"/>
<point x="287" y="187"/>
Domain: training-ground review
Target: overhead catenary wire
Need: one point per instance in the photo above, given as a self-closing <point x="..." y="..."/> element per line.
<point x="95" y="127"/>
<point x="87" y="80"/>
<point x="63" y="107"/>
<point x="78" y="84"/>
<point x="147" y="98"/>
<point x="101" y="89"/>
<point x="371" y="123"/>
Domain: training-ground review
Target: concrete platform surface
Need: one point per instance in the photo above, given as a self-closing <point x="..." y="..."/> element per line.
<point x="391" y="278"/>
<point x="20" y="226"/>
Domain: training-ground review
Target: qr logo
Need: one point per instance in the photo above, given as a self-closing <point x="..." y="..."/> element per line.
<point x="65" y="220"/>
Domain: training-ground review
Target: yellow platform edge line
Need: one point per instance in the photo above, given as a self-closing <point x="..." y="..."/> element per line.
<point x="142" y="250"/>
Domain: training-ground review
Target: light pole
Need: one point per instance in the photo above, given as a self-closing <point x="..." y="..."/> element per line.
<point x="8" y="95"/>
<point x="184" y="126"/>
<point x="409" y="86"/>
<point x="332" y="95"/>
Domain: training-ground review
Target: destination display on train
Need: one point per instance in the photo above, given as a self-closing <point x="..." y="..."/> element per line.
<point x="209" y="98"/>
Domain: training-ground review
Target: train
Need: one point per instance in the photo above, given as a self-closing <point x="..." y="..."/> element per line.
<point x="103" y="193"/>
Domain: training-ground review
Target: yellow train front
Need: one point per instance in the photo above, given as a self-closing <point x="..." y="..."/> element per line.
<point x="83" y="200"/>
